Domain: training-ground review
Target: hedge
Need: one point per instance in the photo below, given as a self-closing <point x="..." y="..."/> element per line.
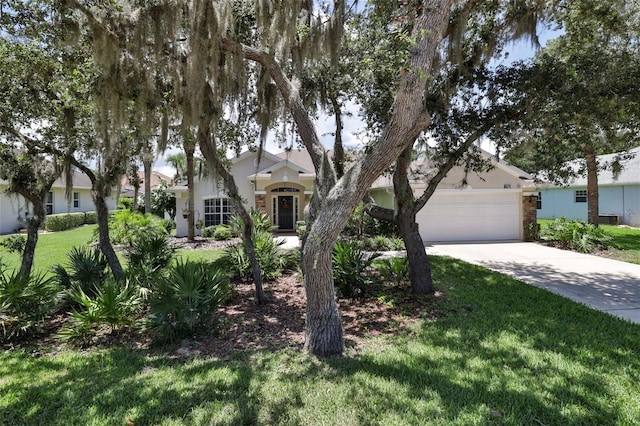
<point x="64" y="221"/>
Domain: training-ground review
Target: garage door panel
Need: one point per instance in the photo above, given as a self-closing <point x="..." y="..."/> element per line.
<point x="471" y="217"/>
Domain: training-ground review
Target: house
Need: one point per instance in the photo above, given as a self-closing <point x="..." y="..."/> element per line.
<point x="157" y="178"/>
<point x="275" y="184"/>
<point x="618" y="194"/>
<point x="492" y="206"/>
<point x="14" y="208"/>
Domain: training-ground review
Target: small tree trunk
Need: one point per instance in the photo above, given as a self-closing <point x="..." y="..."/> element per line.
<point x="419" y="268"/>
<point x="593" y="212"/>
<point x="33" y="225"/>
<point x="210" y="155"/>
<point x="147" y="186"/>
<point x="104" y="242"/>
<point x="191" y="233"/>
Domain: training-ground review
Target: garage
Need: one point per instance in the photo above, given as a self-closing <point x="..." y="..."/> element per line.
<point x="471" y="215"/>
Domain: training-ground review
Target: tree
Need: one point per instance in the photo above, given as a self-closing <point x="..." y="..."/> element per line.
<point x="581" y="95"/>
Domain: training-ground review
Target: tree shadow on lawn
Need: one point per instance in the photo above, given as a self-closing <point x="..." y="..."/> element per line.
<point x="504" y="353"/>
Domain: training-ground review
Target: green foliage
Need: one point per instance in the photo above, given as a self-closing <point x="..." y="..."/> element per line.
<point x="86" y="269"/>
<point x="222" y="233"/>
<point x="261" y="222"/>
<point x="115" y="305"/>
<point x="14" y="243"/>
<point x="184" y="300"/>
<point x="576" y="235"/>
<point x="126" y="227"/>
<point x="351" y="266"/>
<point x="168" y="225"/>
<point x="64" y="221"/>
<point x="90" y="218"/>
<point x="301" y="228"/>
<point x="362" y="224"/>
<point x="382" y="243"/>
<point x="25" y="302"/>
<point x="148" y="255"/>
<point x="394" y="269"/>
<point x="163" y="201"/>
<point x="267" y="252"/>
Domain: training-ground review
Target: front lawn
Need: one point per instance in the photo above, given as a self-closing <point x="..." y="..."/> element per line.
<point x="625" y="244"/>
<point x="488" y="350"/>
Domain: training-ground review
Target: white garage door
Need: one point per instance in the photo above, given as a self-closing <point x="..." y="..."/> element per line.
<point x="469" y="215"/>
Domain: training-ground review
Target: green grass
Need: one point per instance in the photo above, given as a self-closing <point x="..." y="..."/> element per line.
<point x="502" y="353"/>
<point x="52" y="248"/>
<point x="626" y="242"/>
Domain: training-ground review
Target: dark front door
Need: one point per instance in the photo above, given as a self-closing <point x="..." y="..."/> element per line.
<point x="285" y="212"/>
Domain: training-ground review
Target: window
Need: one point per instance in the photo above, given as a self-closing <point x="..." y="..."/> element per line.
<point x="581" y="196"/>
<point x="217" y="211"/>
<point x="76" y="200"/>
<point x="539" y="201"/>
<point x="48" y="205"/>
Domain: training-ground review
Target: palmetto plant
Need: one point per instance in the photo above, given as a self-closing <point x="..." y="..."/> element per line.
<point x="185" y="298"/>
<point x="115" y="305"/>
<point x="85" y="269"/>
<point x="25" y="301"/>
<point x="350" y="269"/>
<point x="395" y="269"/>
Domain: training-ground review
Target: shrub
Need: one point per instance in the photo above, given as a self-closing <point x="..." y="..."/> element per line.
<point x="267" y="252"/>
<point x="382" y="243"/>
<point x="261" y="223"/>
<point x="168" y="225"/>
<point x="222" y="233"/>
<point x="64" y="221"/>
<point x="395" y="269"/>
<point x="90" y="218"/>
<point x="85" y="270"/>
<point x="126" y="226"/>
<point x="350" y="269"/>
<point x="115" y="305"/>
<point x="183" y="301"/>
<point x="301" y="228"/>
<point x="576" y="235"/>
<point x="361" y="224"/>
<point x="25" y="302"/>
<point x="14" y="243"/>
<point x="148" y="255"/>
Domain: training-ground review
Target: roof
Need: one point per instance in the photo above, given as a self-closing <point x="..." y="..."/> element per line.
<point x="630" y="173"/>
<point x="156" y="179"/>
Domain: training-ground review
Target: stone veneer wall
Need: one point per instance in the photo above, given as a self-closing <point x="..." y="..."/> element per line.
<point x="261" y="203"/>
<point x="530" y="217"/>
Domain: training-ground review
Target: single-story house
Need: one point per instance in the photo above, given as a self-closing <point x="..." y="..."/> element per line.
<point x="618" y="194"/>
<point x="14" y="208"/>
<point x="493" y="205"/>
<point x="157" y="178"/>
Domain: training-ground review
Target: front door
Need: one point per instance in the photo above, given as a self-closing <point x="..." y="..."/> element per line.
<point x="285" y="212"/>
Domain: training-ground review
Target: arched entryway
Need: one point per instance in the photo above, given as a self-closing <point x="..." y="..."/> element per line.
<point x="285" y="206"/>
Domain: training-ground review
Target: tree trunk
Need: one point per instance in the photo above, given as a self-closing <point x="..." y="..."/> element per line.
<point x="420" y="271"/>
<point x="191" y="232"/>
<point x="323" y="325"/>
<point x="33" y="226"/>
<point x="104" y="241"/>
<point x="147" y="186"/>
<point x="209" y="153"/>
<point x="419" y="267"/>
<point x="334" y="201"/>
<point x="593" y="212"/>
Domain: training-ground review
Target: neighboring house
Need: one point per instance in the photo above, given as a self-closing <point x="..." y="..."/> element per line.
<point x="496" y="205"/>
<point x="127" y="189"/>
<point x="618" y="195"/>
<point x="14" y="208"/>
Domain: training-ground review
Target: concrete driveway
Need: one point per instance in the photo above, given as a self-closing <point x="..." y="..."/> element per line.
<point x="604" y="284"/>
